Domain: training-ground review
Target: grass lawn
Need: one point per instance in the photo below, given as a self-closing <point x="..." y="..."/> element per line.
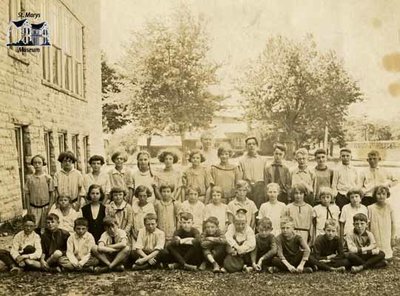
<point x="164" y="282"/>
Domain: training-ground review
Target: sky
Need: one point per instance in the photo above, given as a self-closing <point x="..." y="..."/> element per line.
<point x="365" y="34"/>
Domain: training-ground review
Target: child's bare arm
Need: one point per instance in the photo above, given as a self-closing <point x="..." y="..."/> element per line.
<point x="253" y="221"/>
<point x="120" y="245"/>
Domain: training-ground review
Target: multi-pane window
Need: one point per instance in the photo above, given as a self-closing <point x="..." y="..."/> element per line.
<point x="62" y="142"/>
<point x="62" y="62"/>
<point x="75" y="144"/>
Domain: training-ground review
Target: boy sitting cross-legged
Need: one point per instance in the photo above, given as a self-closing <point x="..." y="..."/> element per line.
<point x="149" y="246"/>
<point x="363" y="252"/>
<point x="113" y="248"/>
<point x="26" y="248"/>
<point x="79" y="246"/>
<point x="266" y="248"/>
<point x="184" y="247"/>
<point x="213" y="243"/>
<point x="241" y="242"/>
<point x="54" y="244"/>
<point x="293" y="251"/>
<point x="328" y="249"/>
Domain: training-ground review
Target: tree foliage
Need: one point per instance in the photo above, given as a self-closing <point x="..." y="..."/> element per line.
<point x="298" y="90"/>
<point x="169" y="75"/>
<point x="114" y="109"/>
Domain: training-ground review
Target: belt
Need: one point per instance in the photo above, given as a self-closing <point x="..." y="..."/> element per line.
<point x="39" y="207"/>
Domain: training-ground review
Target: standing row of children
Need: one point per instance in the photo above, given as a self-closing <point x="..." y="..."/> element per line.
<point x="128" y="197"/>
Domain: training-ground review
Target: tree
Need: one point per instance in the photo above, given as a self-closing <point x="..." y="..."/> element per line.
<point x="298" y="90"/>
<point x="170" y="76"/>
<point x="114" y="109"/>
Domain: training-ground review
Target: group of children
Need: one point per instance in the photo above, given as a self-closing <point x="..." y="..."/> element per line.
<point x="221" y="216"/>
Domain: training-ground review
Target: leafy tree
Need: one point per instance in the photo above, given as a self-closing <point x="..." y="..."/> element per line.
<point x="114" y="109"/>
<point x="170" y="76"/>
<point x="298" y="90"/>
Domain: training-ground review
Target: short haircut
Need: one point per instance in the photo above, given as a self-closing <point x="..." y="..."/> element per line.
<point x="39" y="156"/>
<point x="251" y="138"/>
<point x="331" y="223"/>
<point x="150" y="216"/>
<point x="380" y="188"/>
<point x="319" y="151"/>
<point x="67" y="155"/>
<point x="117" y="190"/>
<point x="345" y="149"/>
<point x="302" y="188"/>
<point x="185" y="216"/>
<point x="224" y="148"/>
<point x="280" y="146"/>
<point x="29" y="217"/>
<point x="211" y="219"/>
<point x="240" y="217"/>
<point x="242" y="184"/>
<point x="109" y="222"/>
<point x="197" y="151"/>
<point x="142" y="188"/>
<point x="52" y="217"/>
<point x="217" y="189"/>
<point x="170" y="186"/>
<point x="360" y="217"/>
<point x="301" y="151"/>
<point x="163" y="154"/>
<point x="81" y="222"/>
<point x="96" y="158"/>
<point x="325" y="191"/>
<point x="193" y="188"/>
<point x="374" y="153"/>
<point x="265" y="223"/>
<point x="64" y="196"/>
<point x="287" y="220"/>
<point x="273" y="185"/>
<point x="355" y="191"/>
<point x="117" y="154"/>
<point x="95" y="186"/>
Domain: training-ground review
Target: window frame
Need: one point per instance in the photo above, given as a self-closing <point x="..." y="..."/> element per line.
<point x="63" y="62"/>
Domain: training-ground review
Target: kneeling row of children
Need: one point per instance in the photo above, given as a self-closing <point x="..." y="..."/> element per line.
<point x="239" y="249"/>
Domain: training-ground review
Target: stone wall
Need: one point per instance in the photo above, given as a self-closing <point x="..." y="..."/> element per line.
<point x="27" y="101"/>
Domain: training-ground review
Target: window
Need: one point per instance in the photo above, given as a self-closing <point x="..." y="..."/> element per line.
<point x="50" y="153"/>
<point x="62" y="62"/>
<point x="86" y="154"/>
<point x="75" y="144"/>
<point x="62" y="142"/>
<point x="22" y="151"/>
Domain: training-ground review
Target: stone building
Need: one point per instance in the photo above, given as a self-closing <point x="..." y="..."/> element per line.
<point x="50" y="97"/>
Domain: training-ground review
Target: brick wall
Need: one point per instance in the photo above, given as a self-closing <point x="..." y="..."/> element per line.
<point x="25" y="100"/>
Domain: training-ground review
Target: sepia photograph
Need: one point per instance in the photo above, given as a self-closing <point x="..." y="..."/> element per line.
<point x="199" y="147"/>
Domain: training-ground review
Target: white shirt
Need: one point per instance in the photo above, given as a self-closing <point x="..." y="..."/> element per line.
<point x="79" y="248"/>
<point x="274" y="212"/>
<point x="197" y="210"/>
<point x="347" y="215"/>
